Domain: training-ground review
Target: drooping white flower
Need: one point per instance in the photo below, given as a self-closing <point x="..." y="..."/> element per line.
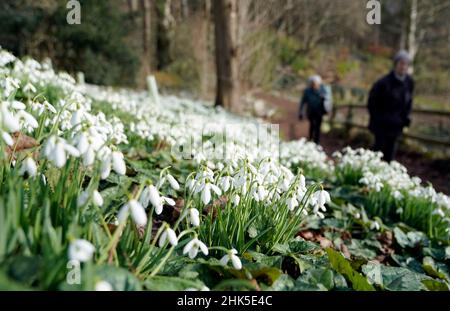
<point x="236" y="262"/>
<point x="374" y="225"/>
<point x="105" y="167"/>
<point x="81" y="250"/>
<point x="29" y="88"/>
<point x="318" y="201"/>
<point x="7" y="120"/>
<point x="7" y="138"/>
<point x="292" y="203"/>
<point x="225" y="183"/>
<point x="173" y="182"/>
<point x="28" y="119"/>
<point x="194" y="246"/>
<point x="103" y="286"/>
<point x="168" y="235"/>
<point x="29" y="167"/>
<point x="56" y="150"/>
<point x="236" y="200"/>
<point x="194" y="217"/>
<point x="206" y="192"/>
<point x="118" y="163"/>
<point x="137" y="213"/>
<point x="97" y="198"/>
<point x="155" y="199"/>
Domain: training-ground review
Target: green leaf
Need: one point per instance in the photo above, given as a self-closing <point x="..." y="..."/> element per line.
<point x="435" y="285"/>
<point x="6" y="284"/>
<point x="342" y="266"/>
<point x="321" y="277"/>
<point x="167" y="283"/>
<point x="120" y="279"/>
<point x="394" y="278"/>
<point x="430" y="268"/>
<point x="283" y="283"/>
<point x="24" y="269"/>
<point x="401" y="238"/>
<point x="302" y="246"/>
<point x="235" y="285"/>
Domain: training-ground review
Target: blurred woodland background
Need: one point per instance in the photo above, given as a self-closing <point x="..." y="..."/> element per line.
<point x="254" y="57"/>
<point x="268" y="45"/>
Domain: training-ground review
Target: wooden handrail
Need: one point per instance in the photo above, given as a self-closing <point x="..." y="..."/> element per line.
<point x="445" y="113"/>
<point x="425" y="139"/>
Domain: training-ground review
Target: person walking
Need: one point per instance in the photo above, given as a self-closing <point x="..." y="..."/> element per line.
<point x="317" y="100"/>
<point x="390" y="104"/>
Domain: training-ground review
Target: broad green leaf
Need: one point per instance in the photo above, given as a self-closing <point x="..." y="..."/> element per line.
<point x="401" y="238"/>
<point x="435" y="285"/>
<point x="283" y="283"/>
<point x="321" y="277"/>
<point x="119" y="278"/>
<point x="235" y="285"/>
<point x="430" y="268"/>
<point x="394" y="278"/>
<point x="167" y="283"/>
<point x="342" y="266"/>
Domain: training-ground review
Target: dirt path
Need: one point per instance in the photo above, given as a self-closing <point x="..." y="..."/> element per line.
<point x="438" y="173"/>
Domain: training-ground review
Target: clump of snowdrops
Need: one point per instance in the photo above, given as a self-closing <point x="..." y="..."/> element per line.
<point x="393" y="194"/>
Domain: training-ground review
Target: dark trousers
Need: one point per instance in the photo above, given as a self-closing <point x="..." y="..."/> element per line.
<point x="387" y="144"/>
<point x="315" y="123"/>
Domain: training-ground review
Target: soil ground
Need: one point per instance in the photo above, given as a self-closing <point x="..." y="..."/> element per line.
<point x="433" y="171"/>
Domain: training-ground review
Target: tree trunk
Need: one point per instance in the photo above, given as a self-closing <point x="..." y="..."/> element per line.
<point x="226" y="23"/>
<point x="412" y="36"/>
<point x="146" y="35"/>
<point x="205" y="73"/>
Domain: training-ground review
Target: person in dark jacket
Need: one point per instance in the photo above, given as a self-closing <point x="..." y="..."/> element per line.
<point x="314" y="100"/>
<point x="390" y="104"/>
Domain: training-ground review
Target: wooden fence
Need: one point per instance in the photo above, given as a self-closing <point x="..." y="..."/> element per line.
<point x="356" y="116"/>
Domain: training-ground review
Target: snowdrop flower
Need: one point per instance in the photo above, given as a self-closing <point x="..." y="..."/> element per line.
<point x="318" y="201"/>
<point x="28" y="119"/>
<point x="194" y="246"/>
<point x="11" y="85"/>
<point x="225" y="183"/>
<point x="29" y="88"/>
<point x="237" y="264"/>
<point x="55" y="150"/>
<point x="84" y="197"/>
<point x="168" y="235"/>
<point x="118" y="163"/>
<point x="137" y="213"/>
<point x="439" y="212"/>
<point x="292" y="203"/>
<point x="236" y="200"/>
<point x="206" y="192"/>
<point x="81" y="250"/>
<point x="194" y="216"/>
<point x="7" y="138"/>
<point x="77" y="117"/>
<point x="173" y="182"/>
<point x="398" y="195"/>
<point x="97" y="198"/>
<point x="103" y="286"/>
<point x="374" y="225"/>
<point x="29" y="167"/>
<point x="151" y="195"/>
<point x="8" y="121"/>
